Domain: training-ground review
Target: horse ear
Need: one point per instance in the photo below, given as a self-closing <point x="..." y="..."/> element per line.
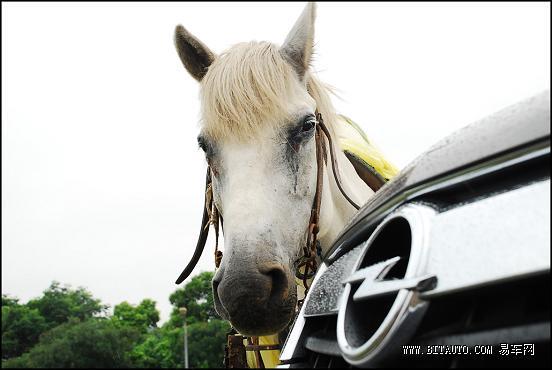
<point x="298" y="45"/>
<point x="195" y="56"/>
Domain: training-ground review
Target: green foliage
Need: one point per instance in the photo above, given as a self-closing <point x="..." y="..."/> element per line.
<point x="161" y="348"/>
<point x="144" y="316"/>
<point x="22" y="324"/>
<point x="69" y="328"/>
<point x="206" y="332"/>
<point x="58" y="304"/>
<point x="8" y="301"/>
<point x="206" y="343"/>
<point x="165" y="347"/>
<point x="197" y="297"/>
<point x="96" y="343"/>
<point x="21" y="327"/>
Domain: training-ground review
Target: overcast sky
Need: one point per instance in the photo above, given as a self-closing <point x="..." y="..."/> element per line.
<point x="102" y="179"/>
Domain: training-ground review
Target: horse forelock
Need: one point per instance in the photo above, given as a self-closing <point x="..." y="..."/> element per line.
<point x="250" y="88"/>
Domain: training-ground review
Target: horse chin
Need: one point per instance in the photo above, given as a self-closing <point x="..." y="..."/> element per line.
<point x="265" y="321"/>
<point x="253" y="320"/>
<point x="263" y="303"/>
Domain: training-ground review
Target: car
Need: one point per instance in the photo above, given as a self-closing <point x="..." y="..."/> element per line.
<point x="448" y="264"/>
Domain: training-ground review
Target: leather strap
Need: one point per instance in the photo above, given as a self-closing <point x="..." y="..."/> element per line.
<point x="203" y="233"/>
<point x="210" y="214"/>
<point x="308" y="260"/>
<point x="335" y="168"/>
<point x="310" y="250"/>
<point x="254" y="341"/>
<point x="366" y="172"/>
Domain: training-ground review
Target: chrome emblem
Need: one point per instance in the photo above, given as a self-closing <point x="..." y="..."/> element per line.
<point x="373" y="284"/>
<point x="380" y="307"/>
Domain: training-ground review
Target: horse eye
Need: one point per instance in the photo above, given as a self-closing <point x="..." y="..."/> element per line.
<point x="202" y="144"/>
<point x="302" y="130"/>
<point x="308" y="124"/>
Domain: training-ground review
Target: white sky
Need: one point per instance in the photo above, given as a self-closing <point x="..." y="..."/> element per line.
<point x="102" y="180"/>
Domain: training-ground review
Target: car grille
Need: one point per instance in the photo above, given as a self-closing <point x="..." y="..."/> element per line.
<point x="510" y="310"/>
<point x="515" y="312"/>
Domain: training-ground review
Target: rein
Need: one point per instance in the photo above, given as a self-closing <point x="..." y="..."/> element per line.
<point x="235" y="354"/>
<point x="312" y="247"/>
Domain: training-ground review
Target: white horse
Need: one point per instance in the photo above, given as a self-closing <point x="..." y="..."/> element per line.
<point x="258" y="104"/>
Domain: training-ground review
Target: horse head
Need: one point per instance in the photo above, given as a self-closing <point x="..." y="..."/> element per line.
<point x="258" y="127"/>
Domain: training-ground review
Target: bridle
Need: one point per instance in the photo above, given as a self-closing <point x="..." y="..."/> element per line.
<point x="307" y="261"/>
<point x="211" y="216"/>
<point x="312" y="247"/>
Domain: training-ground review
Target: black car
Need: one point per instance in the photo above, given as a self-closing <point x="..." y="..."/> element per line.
<point x="448" y="264"/>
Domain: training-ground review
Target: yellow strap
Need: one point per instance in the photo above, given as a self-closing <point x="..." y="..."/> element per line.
<point x="351" y="138"/>
<point x="270" y="358"/>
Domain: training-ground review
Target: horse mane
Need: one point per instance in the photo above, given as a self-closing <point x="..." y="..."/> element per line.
<point x="251" y="86"/>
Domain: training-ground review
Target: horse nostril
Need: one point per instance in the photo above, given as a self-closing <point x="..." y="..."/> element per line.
<point x="279" y="285"/>
<point x="260" y="304"/>
<point x="219" y="307"/>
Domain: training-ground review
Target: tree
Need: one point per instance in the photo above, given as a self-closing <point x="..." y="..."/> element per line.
<point x="197" y="297"/>
<point x="164" y="347"/>
<point x="144" y="316"/>
<point x="21" y="328"/>
<point x="58" y="304"/>
<point x="96" y="343"/>
<point x="68" y="328"/>
<point x="22" y="324"/>
<point x="206" y="343"/>
<point x="161" y="348"/>
<point x="9" y="301"/>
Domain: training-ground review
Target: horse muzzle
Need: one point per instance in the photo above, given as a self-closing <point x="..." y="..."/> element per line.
<point x="256" y="299"/>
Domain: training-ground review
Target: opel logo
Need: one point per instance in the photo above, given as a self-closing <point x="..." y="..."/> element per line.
<point x="380" y="307"/>
<point x="373" y="284"/>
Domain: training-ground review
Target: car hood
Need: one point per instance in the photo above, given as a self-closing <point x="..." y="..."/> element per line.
<point x="507" y="130"/>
